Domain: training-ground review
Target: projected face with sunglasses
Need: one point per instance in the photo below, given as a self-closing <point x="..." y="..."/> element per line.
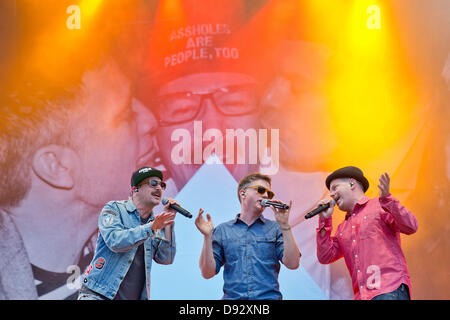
<point x="217" y="100"/>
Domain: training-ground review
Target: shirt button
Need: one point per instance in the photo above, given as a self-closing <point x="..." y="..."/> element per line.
<point x="356" y="256"/>
<point x="129" y="261"/>
<point x="359" y="270"/>
<point x="353" y="227"/>
<point x="354" y="240"/>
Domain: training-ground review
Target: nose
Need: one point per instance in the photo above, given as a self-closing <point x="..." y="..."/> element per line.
<point x="209" y="115"/>
<point x="212" y="124"/>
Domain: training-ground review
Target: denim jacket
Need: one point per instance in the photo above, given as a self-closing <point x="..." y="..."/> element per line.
<point x="120" y="233"/>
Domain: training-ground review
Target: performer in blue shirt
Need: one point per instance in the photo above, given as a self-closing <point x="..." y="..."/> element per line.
<point x="249" y="246"/>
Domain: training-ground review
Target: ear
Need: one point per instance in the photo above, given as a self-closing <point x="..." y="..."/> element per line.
<point x="54" y="164"/>
<point x="241" y="193"/>
<point x="352" y="183"/>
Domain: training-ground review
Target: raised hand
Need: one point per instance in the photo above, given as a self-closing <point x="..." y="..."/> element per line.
<point x="384" y="185"/>
<point x="163" y="220"/>
<point x="282" y="215"/>
<point x="206" y="227"/>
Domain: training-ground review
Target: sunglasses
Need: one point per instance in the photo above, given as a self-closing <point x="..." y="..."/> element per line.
<point x="154" y="183"/>
<point x="262" y="190"/>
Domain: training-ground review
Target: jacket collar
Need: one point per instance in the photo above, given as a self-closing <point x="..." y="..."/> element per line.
<point x="129" y="205"/>
<point x="131" y="209"/>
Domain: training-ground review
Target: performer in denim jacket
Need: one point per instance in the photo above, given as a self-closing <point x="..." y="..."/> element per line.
<point x="130" y="237"/>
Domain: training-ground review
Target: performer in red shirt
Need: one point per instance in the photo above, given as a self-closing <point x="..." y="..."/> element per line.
<point x="369" y="238"/>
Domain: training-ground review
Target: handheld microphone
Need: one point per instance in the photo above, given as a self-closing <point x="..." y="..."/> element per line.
<point x="179" y="209"/>
<point x="268" y="203"/>
<point x="319" y="209"/>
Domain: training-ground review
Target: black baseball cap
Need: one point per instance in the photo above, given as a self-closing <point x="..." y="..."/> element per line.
<point x="348" y="172"/>
<point x="144" y="172"/>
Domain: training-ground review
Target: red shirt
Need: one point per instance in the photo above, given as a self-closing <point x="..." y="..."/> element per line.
<point x="369" y="241"/>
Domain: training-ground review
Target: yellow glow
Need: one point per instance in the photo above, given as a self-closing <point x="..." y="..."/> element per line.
<point x="171" y="9"/>
<point x="59" y="44"/>
<point x="372" y="101"/>
<point x="89" y="7"/>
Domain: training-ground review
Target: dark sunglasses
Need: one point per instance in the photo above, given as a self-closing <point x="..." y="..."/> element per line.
<point x="262" y="190"/>
<point x="154" y="183"/>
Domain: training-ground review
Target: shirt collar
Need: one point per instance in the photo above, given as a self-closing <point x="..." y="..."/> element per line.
<point x="361" y="202"/>
<point x="260" y="218"/>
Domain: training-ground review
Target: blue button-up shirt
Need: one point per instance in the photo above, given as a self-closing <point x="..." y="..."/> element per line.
<point x="251" y="258"/>
<point x="120" y="234"/>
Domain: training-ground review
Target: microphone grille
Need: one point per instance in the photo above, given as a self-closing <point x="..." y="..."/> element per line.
<point x="164" y="201"/>
<point x="264" y="202"/>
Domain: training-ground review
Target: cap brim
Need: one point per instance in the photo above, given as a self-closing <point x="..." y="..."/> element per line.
<point x="148" y="174"/>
